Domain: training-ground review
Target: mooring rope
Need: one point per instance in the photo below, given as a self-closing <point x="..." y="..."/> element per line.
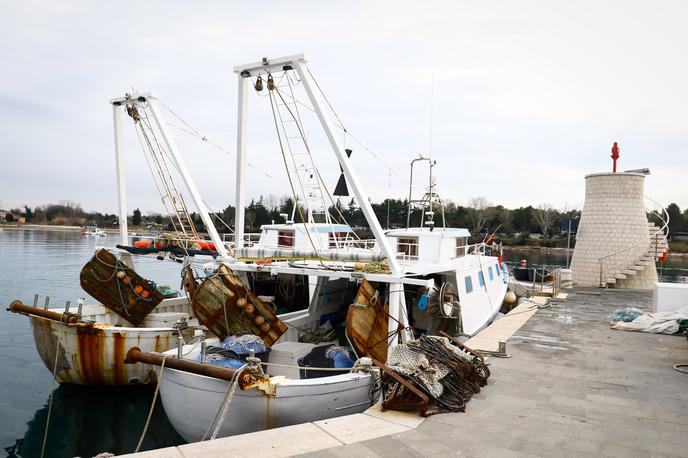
<point x="150" y="411"/>
<point x="52" y="393"/>
<point x="224" y="407"/>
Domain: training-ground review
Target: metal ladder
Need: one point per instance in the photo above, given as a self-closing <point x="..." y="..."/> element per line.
<point x="302" y="166"/>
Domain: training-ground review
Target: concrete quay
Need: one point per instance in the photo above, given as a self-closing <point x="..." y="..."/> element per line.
<point x="572" y="387"/>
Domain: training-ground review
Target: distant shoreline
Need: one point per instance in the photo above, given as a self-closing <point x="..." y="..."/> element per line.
<point x="49" y="227"/>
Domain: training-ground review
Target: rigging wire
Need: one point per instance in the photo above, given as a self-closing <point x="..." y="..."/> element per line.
<point x="195" y="133"/>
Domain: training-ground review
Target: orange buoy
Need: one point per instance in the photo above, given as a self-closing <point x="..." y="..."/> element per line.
<point x="145" y="294"/>
<point x="142" y="243"/>
<point x="211" y="246"/>
<point x="202" y="245"/>
<point x="138" y="289"/>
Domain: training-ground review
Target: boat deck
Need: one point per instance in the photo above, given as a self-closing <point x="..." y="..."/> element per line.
<point x="572" y="387"/>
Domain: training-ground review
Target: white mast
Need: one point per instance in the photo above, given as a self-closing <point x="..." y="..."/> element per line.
<point x="121" y="183"/>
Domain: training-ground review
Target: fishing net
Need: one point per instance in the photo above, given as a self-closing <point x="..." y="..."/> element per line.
<point x="446" y="373"/>
<point x="244" y="343"/>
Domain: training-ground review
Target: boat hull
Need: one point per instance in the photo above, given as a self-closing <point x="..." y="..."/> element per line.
<point x="191" y="402"/>
<point x="94" y="355"/>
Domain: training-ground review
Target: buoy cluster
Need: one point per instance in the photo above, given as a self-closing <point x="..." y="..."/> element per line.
<point x="138" y="289"/>
<point x="249" y="309"/>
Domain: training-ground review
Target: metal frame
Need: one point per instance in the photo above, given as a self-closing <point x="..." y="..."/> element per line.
<point x="119" y="104"/>
<point x="297" y="63"/>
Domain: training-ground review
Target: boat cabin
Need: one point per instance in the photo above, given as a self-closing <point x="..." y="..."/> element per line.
<point x="429" y="246"/>
<point x="298" y="236"/>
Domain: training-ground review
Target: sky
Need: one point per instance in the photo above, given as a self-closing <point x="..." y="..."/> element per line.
<point x="516" y="101"/>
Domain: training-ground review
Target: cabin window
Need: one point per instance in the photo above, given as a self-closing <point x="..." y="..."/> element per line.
<point x="489" y="271"/>
<point x="497" y="270"/>
<point x="408" y="246"/>
<point x="481" y="278"/>
<point x="337" y="238"/>
<point x="285" y="238"/>
<point x="461" y="246"/>
<point x="469" y="283"/>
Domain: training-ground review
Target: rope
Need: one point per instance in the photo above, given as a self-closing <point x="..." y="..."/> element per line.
<point x="224" y="407"/>
<point x="679" y="368"/>
<point x="291" y="183"/>
<point x="52" y="394"/>
<point x="150" y="411"/>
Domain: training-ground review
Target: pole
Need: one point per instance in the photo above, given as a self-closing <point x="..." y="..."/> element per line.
<point x="119" y="163"/>
<point x="568" y="244"/>
<point x="241" y="162"/>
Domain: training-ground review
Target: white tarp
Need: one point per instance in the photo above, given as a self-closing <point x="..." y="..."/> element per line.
<point x="656" y="323"/>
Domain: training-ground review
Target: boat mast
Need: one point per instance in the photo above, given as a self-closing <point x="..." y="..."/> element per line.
<point x="121" y="182"/>
<point x="241" y="162"/>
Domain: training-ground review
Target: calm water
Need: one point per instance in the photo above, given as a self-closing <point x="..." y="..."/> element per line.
<point x="84" y="420"/>
<point x="673" y="267"/>
<point x="89" y="420"/>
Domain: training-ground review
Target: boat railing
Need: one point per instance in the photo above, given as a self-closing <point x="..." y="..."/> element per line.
<point x="616" y="260"/>
<point x="546" y="281"/>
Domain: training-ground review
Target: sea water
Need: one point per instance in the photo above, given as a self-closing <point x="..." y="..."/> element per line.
<point x="84" y="420"/>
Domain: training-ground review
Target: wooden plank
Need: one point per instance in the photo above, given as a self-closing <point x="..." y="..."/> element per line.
<point x="501" y="330"/>
<point x="226" y="306"/>
<point x="114" y="284"/>
<point x="366" y="323"/>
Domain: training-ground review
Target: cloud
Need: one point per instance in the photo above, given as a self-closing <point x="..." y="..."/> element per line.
<point x="528" y="98"/>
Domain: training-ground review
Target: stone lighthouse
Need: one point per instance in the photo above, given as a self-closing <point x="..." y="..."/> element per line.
<point x="616" y="245"/>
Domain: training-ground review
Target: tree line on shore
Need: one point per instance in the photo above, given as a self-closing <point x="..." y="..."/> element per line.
<point x="479" y="216"/>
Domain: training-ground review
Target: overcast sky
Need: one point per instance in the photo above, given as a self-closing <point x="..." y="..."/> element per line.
<point x="528" y="96"/>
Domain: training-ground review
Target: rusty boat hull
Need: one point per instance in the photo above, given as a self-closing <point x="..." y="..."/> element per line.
<point x="94" y="353"/>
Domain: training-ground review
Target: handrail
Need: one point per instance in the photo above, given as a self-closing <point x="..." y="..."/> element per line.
<point x="664" y="219"/>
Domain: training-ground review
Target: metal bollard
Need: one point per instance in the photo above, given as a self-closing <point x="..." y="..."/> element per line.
<point x="203" y="350"/>
<point x="180" y="346"/>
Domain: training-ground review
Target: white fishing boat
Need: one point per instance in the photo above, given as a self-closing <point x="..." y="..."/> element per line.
<point x="423" y="279"/>
<point x="94" y="231"/>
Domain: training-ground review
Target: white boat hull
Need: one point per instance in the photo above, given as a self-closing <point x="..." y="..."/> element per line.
<point x="192" y="401"/>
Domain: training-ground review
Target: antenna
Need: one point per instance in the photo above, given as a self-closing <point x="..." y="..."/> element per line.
<point x="432" y="103"/>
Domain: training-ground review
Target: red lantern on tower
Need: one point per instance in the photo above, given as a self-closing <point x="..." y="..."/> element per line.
<point x="615" y="155"/>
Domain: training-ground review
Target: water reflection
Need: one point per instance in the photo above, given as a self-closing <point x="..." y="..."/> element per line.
<point x="86" y="421"/>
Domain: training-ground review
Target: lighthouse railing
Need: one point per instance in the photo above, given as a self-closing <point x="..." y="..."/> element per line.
<point x="604" y="261"/>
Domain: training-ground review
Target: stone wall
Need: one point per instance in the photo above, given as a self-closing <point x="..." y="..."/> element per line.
<point x="613" y="219"/>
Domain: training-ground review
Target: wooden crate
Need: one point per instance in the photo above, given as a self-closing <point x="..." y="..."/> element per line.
<point x="100" y="278"/>
<point x="226" y="306"/>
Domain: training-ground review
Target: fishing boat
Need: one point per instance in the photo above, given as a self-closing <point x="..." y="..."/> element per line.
<point x="374" y="294"/>
<point x="94" y="231"/>
<point x="86" y="343"/>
